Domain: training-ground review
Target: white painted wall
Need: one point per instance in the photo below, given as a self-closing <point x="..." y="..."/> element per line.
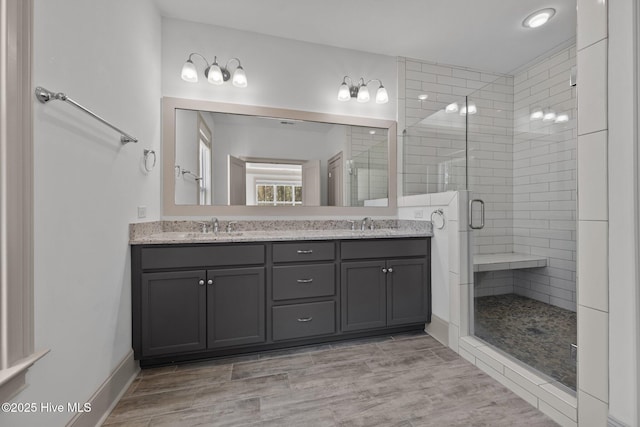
<point x="187" y="157"/>
<point x="104" y="54"/>
<point x="281" y="72"/>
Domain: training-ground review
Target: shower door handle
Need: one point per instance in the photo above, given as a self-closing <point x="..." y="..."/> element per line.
<point x="471" y="202"/>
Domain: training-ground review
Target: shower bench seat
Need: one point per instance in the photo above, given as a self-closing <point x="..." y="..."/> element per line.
<point x="507" y="261"/>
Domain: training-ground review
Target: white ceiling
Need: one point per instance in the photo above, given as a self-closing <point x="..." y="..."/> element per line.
<point x="480" y="34"/>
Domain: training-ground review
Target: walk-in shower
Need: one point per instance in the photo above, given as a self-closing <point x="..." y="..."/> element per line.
<point x="511" y="143"/>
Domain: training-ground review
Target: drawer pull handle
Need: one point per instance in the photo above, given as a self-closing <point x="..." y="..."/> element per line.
<point x="305" y="251"/>
<point x="305" y="319"/>
<point x="305" y="280"/>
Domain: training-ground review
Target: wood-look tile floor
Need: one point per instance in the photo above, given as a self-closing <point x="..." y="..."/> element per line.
<point x="404" y="380"/>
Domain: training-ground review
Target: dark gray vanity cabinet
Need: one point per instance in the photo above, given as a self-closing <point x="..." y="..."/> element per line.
<point x="364" y="295"/>
<point x="303" y="290"/>
<point x="391" y="288"/>
<point x="198" y="300"/>
<point x="235" y="307"/>
<point x="178" y="309"/>
<point x="173" y="311"/>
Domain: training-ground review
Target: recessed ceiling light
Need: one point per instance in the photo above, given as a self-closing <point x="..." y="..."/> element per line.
<point x="536" y="19"/>
<point x="423" y="96"/>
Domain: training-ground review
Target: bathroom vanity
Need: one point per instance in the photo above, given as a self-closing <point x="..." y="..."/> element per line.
<point x="195" y="297"/>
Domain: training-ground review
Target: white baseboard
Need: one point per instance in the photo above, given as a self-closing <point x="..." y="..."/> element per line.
<point x="108" y="394"/>
<point x="439" y="329"/>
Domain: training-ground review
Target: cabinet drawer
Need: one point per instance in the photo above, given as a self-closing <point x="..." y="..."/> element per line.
<point x="384" y="248"/>
<point x="201" y="256"/>
<point x="303" y="320"/>
<point x="303" y="251"/>
<point x="303" y="281"/>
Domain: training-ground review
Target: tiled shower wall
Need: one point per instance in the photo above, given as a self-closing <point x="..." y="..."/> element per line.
<point x="524" y="171"/>
<point x="544" y="186"/>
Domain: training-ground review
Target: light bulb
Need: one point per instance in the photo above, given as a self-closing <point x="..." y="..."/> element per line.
<point x="382" y="97"/>
<point x="562" y="118"/>
<point x="536" y="114"/>
<point x="363" y="94"/>
<point x="239" y="77"/>
<point x="451" y="108"/>
<point x="423" y="97"/>
<point x="343" y="92"/>
<point x="189" y="72"/>
<point x="472" y="109"/>
<point x="214" y="74"/>
<point x="549" y="116"/>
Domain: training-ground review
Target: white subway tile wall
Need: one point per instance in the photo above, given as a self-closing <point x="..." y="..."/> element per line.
<point x="544" y="180"/>
<point x="524" y="170"/>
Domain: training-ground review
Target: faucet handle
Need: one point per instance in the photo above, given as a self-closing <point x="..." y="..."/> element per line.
<point x="353" y="225"/>
<point x="229" y="226"/>
<point x="371" y="226"/>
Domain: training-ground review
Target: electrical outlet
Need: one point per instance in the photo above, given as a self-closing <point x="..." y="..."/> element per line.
<point x="417" y="213"/>
<point x="142" y="211"/>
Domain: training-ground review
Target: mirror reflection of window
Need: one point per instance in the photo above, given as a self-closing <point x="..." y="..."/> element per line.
<point x="205" y="156"/>
<point x="274" y="184"/>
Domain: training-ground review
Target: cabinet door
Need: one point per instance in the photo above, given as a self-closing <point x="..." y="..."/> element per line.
<point x="363" y="295"/>
<point x="407" y="291"/>
<point x="235" y="307"/>
<point x="173" y="310"/>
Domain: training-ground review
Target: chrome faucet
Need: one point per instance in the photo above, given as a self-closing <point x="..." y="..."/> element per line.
<point x="366" y="220"/>
<point x="230" y="226"/>
<point x="215" y="224"/>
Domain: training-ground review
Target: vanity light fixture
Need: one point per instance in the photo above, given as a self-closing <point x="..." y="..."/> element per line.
<point x="360" y="91"/>
<point x="471" y="107"/>
<point x="451" y="108"/>
<point x="214" y="73"/>
<point x="549" y="115"/>
<point x="538" y="18"/>
<point x="423" y="97"/>
<point x="536" y="114"/>
<point x="562" y="118"/>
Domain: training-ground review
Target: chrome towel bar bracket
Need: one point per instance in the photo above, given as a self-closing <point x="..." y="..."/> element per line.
<point x="44" y="95"/>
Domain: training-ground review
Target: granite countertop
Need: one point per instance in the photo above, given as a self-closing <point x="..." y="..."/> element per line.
<point x="177" y="232"/>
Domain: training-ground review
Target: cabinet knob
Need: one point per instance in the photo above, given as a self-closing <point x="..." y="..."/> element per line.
<point x="384" y="270"/>
<point x="209" y="282"/>
<point x="201" y="282"/>
<point x="390" y="270"/>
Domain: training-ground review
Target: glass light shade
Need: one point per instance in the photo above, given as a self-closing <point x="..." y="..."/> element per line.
<point x="536" y="114"/>
<point x="363" y="94"/>
<point x="539" y="18"/>
<point x="562" y="118"/>
<point x="214" y="75"/>
<point x="451" y="108"/>
<point x="189" y="72"/>
<point x="472" y="109"/>
<point x="343" y="92"/>
<point x="423" y="97"/>
<point x="549" y="116"/>
<point x="382" y="97"/>
<point x="239" y="77"/>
